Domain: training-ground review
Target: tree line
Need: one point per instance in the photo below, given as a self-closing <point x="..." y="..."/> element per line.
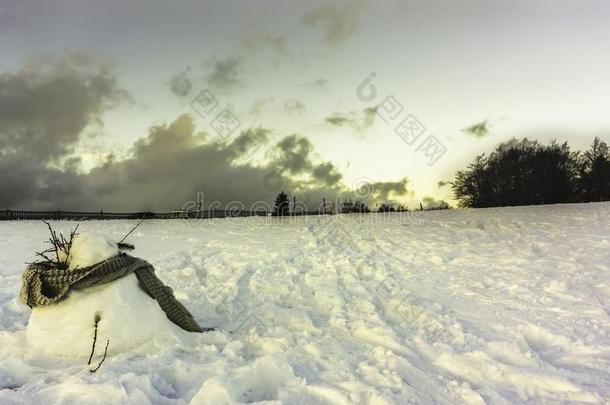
<point x="529" y="173"/>
<point x="282" y="206"/>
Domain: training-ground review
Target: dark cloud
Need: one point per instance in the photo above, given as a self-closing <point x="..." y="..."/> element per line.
<point x="338" y="120"/>
<point x="338" y="22"/>
<point x="172" y="163"/>
<point x="28" y="184"/>
<point x="326" y="173"/>
<point x="295" y="155"/>
<point x="249" y="140"/>
<point x="377" y="192"/>
<point x="386" y="190"/>
<point x="358" y="122"/>
<point x="166" y="169"/>
<point x="46" y="105"/>
<point x="161" y="176"/>
<point x="479" y="129"/>
<point x="225" y="73"/>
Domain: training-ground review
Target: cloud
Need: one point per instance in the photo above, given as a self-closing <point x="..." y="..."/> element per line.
<point x="430" y="203"/>
<point x="257" y="106"/>
<point x="368" y="118"/>
<point x="163" y="171"/>
<point x="46" y="105"/>
<point x="378" y="192"/>
<point x="166" y="169"/>
<point x="29" y="184"/>
<point x="383" y="190"/>
<point x="294" y="107"/>
<point x="225" y="73"/>
<point x="316" y="84"/>
<point x="338" y="120"/>
<point x="172" y="163"/>
<point x="248" y="140"/>
<point x="479" y="129"/>
<point x="358" y="122"/>
<point x="274" y="41"/>
<point x="326" y="173"/>
<point x="294" y="155"/>
<point x="338" y="23"/>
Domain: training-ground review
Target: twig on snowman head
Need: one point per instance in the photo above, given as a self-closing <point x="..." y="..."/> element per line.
<point x="57" y="255"/>
<point x="128" y="246"/>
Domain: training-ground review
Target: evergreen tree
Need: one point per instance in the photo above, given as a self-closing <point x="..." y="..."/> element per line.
<point x="282" y="204"/>
<point x="594" y="181"/>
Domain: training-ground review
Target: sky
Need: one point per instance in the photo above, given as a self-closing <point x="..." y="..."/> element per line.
<point x="133" y="105"/>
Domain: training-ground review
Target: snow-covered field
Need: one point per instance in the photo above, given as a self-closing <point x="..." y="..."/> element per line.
<point x="469" y="306"/>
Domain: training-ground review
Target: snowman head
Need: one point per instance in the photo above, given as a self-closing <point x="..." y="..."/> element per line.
<point x="90" y="248"/>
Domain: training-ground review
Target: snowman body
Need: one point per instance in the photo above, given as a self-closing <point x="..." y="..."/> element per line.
<point x="125" y="315"/>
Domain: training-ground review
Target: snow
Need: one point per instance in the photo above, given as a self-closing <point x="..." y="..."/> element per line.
<point x="464" y="306"/>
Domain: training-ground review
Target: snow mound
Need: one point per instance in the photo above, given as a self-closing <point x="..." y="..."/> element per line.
<point x="260" y="381"/>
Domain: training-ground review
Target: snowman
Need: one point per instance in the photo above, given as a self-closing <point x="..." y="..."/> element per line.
<point x="103" y="295"/>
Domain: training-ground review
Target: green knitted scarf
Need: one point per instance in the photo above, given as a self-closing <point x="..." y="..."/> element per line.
<point x="43" y="284"/>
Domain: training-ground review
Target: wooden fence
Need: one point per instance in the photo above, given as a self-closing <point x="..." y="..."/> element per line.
<point x="7" y="215"/>
<point x="14" y="215"/>
<point x="75" y="215"/>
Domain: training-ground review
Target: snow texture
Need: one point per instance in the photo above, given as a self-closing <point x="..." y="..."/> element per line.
<point x="506" y="305"/>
